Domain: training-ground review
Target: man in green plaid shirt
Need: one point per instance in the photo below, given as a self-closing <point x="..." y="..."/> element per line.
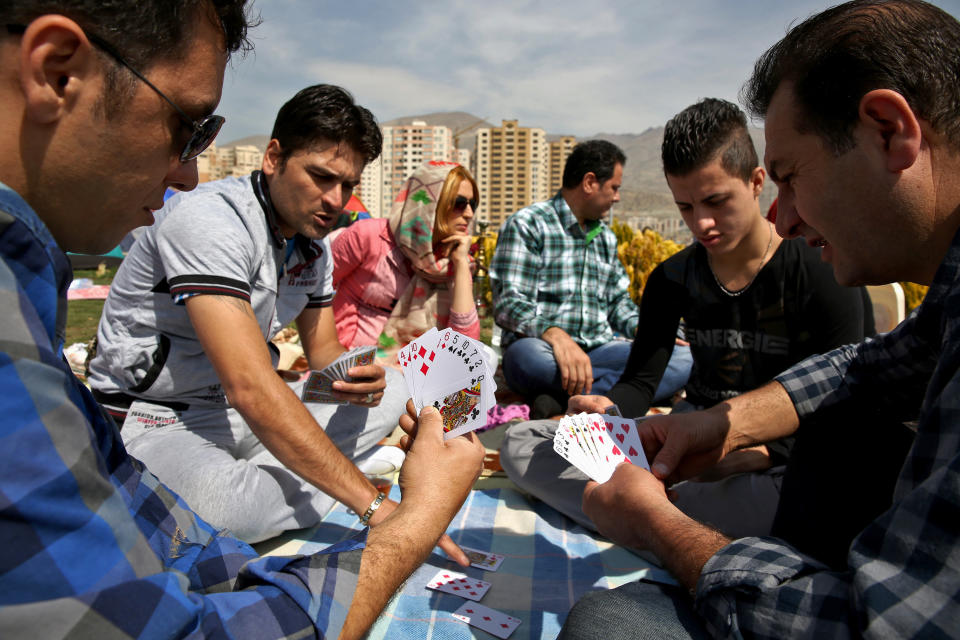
<point x="559" y="289"/>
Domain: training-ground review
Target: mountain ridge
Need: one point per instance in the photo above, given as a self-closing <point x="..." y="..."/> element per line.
<point x="644" y="190"/>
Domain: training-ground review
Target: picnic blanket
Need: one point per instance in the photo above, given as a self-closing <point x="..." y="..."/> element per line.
<point x="550" y="562"/>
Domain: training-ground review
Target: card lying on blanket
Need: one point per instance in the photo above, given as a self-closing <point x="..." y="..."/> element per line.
<point x="459" y="584"/>
<point x="596" y="443"/>
<point x="485" y="560"/>
<point x="319" y="384"/>
<point x="487" y="619"/>
<point x="448" y="371"/>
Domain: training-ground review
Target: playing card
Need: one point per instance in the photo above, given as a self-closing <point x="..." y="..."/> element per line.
<point x="459" y="356"/>
<point x="624" y="431"/>
<point x="596" y="444"/>
<point x="483" y="559"/>
<point x="459" y="404"/>
<point x="362" y="356"/>
<point x="613" y="410"/>
<point x="487" y="619"/>
<point x="459" y="584"/>
<point x="319" y="388"/>
<point x="420" y="356"/>
<point x="447" y="370"/>
<point x="566" y="442"/>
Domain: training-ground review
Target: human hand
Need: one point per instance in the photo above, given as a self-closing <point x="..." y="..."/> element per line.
<point x="367" y="388"/>
<point x="438" y="474"/>
<point x="624" y="506"/>
<point x="576" y="372"/>
<point x="682" y="445"/>
<point x="458" y="248"/>
<point x="589" y="404"/>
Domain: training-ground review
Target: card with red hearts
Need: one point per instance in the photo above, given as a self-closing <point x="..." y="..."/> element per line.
<point x="596" y="444"/>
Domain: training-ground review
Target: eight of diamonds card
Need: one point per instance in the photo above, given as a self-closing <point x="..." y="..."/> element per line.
<point x="487" y="619"/>
<point x="459" y="584"/>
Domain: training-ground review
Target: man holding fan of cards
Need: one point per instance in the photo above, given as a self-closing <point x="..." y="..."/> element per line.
<point x="183" y="342"/>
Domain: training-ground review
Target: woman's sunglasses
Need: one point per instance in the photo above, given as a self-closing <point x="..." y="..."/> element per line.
<point x="460" y="204"/>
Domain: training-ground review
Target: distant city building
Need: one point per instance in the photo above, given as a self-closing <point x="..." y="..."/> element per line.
<point x="512" y="169"/>
<point x="463" y="158"/>
<point x="669" y="227"/>
<point x="370" y="190"/>
<point x="214" y="163"/>
<point x="405" y="148"/>
<point x="559" y="150"/>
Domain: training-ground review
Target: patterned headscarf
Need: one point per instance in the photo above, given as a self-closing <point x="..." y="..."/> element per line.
<point x="411" y="221"/>
<point x="413" y="215"/>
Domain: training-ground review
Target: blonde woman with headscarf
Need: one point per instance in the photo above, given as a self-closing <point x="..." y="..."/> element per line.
<point x="410" y="271"/>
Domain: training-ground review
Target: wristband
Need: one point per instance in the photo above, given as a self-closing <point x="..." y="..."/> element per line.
<point x="365" y="518"/>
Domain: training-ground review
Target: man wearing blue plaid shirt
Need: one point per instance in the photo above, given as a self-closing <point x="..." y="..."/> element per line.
<point x="560" y="291"/>
<point x="103" y="105"/>
<point x="863" y="140"/>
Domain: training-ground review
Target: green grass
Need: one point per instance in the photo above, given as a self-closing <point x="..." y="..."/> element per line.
<point x="83" y="316"/>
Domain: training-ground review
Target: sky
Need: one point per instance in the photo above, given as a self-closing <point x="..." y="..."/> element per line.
<point x="578" y="68"/>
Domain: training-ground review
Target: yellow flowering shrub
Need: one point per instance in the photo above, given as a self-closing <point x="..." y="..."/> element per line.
<point x="914" y="294"/>
<point x="640" y="252"/>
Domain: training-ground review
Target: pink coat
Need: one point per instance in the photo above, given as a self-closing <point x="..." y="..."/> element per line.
<point x="370" y="273"/>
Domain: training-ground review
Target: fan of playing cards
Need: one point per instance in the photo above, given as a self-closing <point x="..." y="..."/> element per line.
<point x="449" y="371"/>
<point x="319" y="384"/>
<point x="596" y="443"/>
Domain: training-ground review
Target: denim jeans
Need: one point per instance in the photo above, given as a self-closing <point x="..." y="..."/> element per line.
<point x="635" y="610"/>
<point x="530" y="368"/>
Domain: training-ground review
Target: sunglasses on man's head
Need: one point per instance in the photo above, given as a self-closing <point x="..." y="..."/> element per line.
<point x="460" y="204"/>
<point x="204" y="130"/>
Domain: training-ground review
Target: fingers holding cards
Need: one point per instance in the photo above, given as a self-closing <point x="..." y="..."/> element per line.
<point x="595" y="444"/>
<point x="448" y="371"/>
<point x="319" y="384"/>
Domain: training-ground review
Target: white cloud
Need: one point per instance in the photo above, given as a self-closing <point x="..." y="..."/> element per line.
<point x="615" y="66"/>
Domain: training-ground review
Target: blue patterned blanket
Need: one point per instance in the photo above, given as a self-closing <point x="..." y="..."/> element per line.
<point x="550" y="562"/>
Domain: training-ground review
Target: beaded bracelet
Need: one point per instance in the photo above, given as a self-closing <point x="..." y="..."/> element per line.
<point x="365" y="518"/>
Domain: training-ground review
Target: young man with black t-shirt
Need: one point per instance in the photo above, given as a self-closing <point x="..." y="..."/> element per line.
<point x="752" y="304"/>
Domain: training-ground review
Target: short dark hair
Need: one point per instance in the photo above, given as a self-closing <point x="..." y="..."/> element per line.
<point x="593" y="156"/>
<point x="142" y="31"/>
<point x="704" y="131"/>
<point x="837" y="56"/>
<point x="325" y="112"/>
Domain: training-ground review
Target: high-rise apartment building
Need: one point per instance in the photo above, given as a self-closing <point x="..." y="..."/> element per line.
<point x="405" y="148"/>
<point x="214" y="163"/>
<point x="559" y="150"/>
<point x="512" y="169"/>
<point x="370" y="190"/>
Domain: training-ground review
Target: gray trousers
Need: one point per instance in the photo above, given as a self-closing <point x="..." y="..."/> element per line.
<point x="739" y="505"/>
<point x="215" y="462"/>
